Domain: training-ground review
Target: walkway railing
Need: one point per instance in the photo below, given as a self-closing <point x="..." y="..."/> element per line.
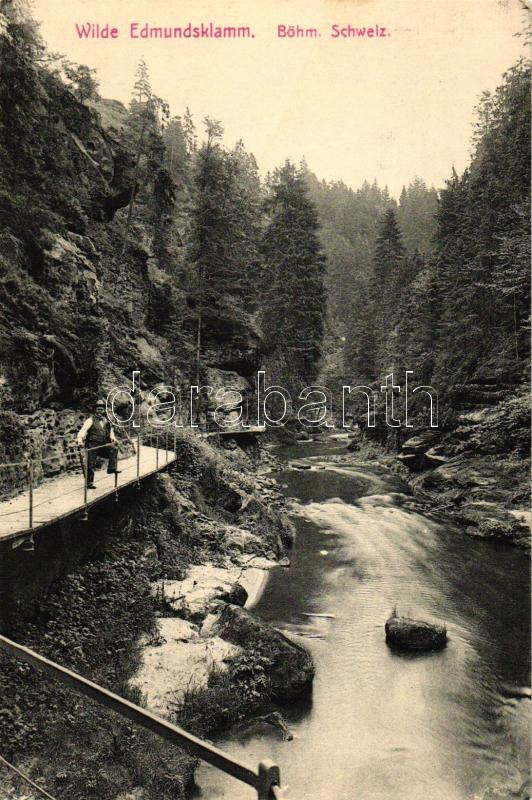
<point x="28" y="476"/>
<point x="265" y="780"/>
<point x="25" y="474"/>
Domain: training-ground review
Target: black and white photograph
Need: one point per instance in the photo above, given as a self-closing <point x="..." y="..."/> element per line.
<point x="265" y="399"/>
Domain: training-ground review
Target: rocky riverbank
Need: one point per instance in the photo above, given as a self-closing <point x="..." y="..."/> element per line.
<point x="476" y="473"/>
<point x="158" y="615"/>
<point x="206" y="641"/>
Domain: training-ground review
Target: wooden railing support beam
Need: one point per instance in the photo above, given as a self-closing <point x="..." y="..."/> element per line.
<point x="172" y="733"/>
<point x="268" y="776"/>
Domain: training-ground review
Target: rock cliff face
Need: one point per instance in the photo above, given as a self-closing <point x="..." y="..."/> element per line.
<point x="478" y="472"/>
<point x="77" y="313"/>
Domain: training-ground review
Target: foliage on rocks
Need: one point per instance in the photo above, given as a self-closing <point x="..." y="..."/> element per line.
<point x="91" y="622"/>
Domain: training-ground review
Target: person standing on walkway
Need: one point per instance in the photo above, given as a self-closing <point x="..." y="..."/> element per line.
<point x="98" y="432"/>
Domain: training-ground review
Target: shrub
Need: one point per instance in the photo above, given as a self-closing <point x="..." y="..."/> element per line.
<point x="230" y="696"/>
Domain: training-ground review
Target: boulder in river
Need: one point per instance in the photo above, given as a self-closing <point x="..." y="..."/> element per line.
<point x="300" y="464"/>
<point x="291" y="670"/>
<point x="264" y="725"/>
<point x="414" y="451"/>
<point x="403" y="633"/>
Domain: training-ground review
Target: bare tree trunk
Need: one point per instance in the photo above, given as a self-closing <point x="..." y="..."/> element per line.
<point x="135" y="178"/>
<point x="516" y="338"/>
<point x="198" y="369"/>
<point x="198" y="350"/>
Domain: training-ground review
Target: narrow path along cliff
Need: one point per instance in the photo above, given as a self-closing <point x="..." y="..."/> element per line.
<point x="155" y="612"/>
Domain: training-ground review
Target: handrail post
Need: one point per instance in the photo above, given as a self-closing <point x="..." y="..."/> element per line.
<point x="116" y="473"/>
<point x="268" y="776"/>
<point x="157" y="452"/>
<point x="138" y="456"/>
<point x="30" y="482"/>
<point x="166" y="448"/>
<point x="85" y="483"/>
<point x="268" y="773"/>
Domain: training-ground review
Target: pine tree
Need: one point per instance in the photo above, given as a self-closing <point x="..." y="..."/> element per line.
<point x="348" y="230"/>
<point x="416" y="215"/>
<point x="189" y="132"/>
<point x="246" y="220"/>
<point x="148" y="114"/>
<point x="389" y="251"/>
<point x="176" y="157"/>
<point x="294" y="279"/>
<point x="359" y="348"/>
<point x="386" y="287"/>
<point x="142" y="87"/>
<point x="224" y="235"/>
<point x="82" y="81"/>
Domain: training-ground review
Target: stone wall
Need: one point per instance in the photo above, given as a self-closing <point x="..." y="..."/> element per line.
<point x="49" y="440"/>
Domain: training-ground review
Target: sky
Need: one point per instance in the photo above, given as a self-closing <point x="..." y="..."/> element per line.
<point x="390" y="107"/>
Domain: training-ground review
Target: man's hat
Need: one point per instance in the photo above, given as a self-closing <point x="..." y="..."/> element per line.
<point x="99" y="404"/>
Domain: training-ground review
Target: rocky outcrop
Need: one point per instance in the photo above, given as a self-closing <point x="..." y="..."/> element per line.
<point x="265" y="724"/>
<point x="300" y="464"/>
<point x="199" y="594"/>
<point x="478" y="472"/>
<point x="415" y="451"/>
<point x="292" y="670"/>
<point x="198" y="650"/>
<point x="81" y="307"/>
<point x="487" y="391"/>
<point x="176" y="659"/>
<point x="231" y="342"/>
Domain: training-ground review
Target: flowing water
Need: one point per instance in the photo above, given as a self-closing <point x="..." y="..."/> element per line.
<point x="451" y="725"/>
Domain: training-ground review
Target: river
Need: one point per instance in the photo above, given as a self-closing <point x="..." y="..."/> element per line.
<point x="451" y="725"/>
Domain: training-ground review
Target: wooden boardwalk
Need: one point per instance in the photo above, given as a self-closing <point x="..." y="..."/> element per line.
<point x="64" y="496"/>
<point x="241" y="431"/>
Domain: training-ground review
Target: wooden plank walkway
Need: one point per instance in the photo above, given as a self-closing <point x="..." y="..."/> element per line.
<point x="257" y="429"/>
<point x="64" y="496"/>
